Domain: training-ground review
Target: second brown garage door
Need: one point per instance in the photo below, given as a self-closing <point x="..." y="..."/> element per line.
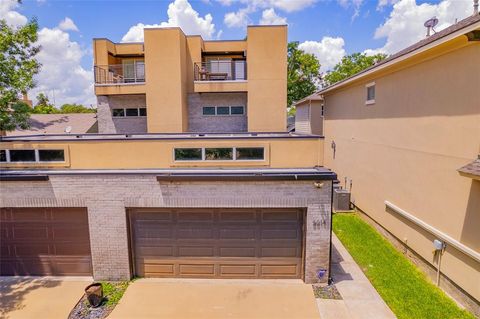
<point x="217" y="243"/>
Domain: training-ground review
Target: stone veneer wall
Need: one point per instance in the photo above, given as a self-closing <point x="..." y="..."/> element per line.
<point x="109" y="124"/>
<point x="197" y="122"/>
<point x="106" y="198"/>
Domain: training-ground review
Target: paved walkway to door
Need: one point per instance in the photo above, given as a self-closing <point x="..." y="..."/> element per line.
<point x="216" y="298"/>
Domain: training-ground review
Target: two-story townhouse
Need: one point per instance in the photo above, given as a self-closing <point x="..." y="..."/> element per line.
<point x="192" y="175"/>
<point x="406" y="134"/>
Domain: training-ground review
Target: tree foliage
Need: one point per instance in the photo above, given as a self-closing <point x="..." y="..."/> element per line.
<point x="350" y="65"/>
<point x="76" y="108"/>
<point x="17" y="68"/>
<point x="303" y="73"/>
<point x="44" y="106"/>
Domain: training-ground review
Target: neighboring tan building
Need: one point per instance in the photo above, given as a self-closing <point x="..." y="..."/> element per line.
<point x="406" y="133"/>
<point x="193" y="174"/>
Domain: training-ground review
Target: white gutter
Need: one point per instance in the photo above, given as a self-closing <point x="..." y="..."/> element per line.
<point x="439" y="41"/>
<point x="432" y="230"/>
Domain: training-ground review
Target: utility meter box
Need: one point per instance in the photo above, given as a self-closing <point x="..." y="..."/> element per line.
<point x="341" y="200"/>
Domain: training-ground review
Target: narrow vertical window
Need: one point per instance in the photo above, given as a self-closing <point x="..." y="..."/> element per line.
<point x="370" y="93"/>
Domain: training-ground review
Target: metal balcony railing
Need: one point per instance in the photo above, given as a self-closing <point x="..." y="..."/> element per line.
<point x="221" y="70"/>
<point x="119" y="73"/>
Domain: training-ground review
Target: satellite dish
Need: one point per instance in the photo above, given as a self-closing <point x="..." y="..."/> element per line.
<point x="430" y="24"/>
<point x="68" y="129"/>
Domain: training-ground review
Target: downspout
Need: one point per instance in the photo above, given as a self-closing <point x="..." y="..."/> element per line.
<point x="330" y="279"/>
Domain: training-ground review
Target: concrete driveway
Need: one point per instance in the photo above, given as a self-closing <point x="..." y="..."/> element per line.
<point x="39" y="297"/>
<point x="219" y="298"/>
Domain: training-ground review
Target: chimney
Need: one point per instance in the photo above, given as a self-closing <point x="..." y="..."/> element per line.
<point x="25" y="99"/>
<point x="475" y="7"/>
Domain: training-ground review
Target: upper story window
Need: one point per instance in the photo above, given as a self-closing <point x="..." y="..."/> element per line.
<point x="223" y="110"/>
<point x="133" y="70"/>
<point x="130" y="112"/>
<point x="221" y="68"/>
<point x="32" y="155"/>
<point x="370" y="93"/>
<point x="122" y="71"/>
<point x="219" y="154"/>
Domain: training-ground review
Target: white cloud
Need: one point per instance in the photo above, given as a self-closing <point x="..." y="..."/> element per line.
<point x="61" y="74"/>
<point x="7" y="12"/>
<point x="355" y="4"/>
<point x="180" y="14"/>
<point x="329" y="51"/>
<point x="270" y="17"/>
<point x="237" y="19"/>
<point x="67" y="24"/>
<point x="404" y="26"/>
<point x="240" y="18"/>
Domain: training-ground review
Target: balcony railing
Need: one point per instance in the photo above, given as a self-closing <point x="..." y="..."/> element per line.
<point x="221" y="70"/>
<point x="119" y="73"/>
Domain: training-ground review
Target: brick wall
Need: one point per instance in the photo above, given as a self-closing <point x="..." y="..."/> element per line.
<point x="197" y="122"/>
<point x="109" y="124"/>
<point x="107" y="196"/>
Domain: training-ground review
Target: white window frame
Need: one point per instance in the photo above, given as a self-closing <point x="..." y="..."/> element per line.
<point x="234" y="155"/>
<point x="367" y="86"/>
<point x="37" y="155"/>
<point x="125" y="112"/>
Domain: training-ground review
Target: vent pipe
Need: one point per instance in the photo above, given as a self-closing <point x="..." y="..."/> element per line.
<point x="475" y="7"/>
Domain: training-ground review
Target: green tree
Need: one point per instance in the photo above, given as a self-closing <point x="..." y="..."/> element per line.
<point x="17" y="68"/>
<point x="350" y="65"/>
<point x="303" y="74"/>
<point x="43" y="105"/>
<point x="76" y="108"/>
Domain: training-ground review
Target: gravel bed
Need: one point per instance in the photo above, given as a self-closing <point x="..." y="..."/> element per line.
<point x="326" y="292"/>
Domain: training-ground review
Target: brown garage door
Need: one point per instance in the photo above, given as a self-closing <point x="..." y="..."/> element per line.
<point x="44" y="241"/>
<point x="217" y="243"/>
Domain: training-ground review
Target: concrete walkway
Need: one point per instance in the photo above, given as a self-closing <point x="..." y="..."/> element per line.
<point x="219" y="298"/>
<point x="360" y="299"/>
<point x="40" y="297"/>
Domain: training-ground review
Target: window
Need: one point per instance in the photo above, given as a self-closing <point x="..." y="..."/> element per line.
<point x="118" y="112"/>
<point x="250" y="153"/>
<point x="188" y="154"/>
<point x="209" y="110"/>
<point x="32" y="155"/>
<point x="223" y="110"/>
<point x="51" y="155"/>
<point x="129" y="112"/>
<point x="237" y="110"/>
<point x="219" y="154"/>
<point x="370" y="93"/>
<point x="22" y="155"/>
<point x="133" y="70"/>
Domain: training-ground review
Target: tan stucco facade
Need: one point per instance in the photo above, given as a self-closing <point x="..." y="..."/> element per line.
<point x="172" y="59"/>
<point x="406" y="147"/>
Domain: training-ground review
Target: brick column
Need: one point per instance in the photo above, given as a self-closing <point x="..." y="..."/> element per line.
<point x="317" y="243"/>
<point x="104" y="116"/>
<point x="109" y="240"/>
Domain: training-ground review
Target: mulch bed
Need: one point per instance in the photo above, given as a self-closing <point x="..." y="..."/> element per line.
<point x="326" y="292"/>
<point x="83" y="310"/>
<point x="113" y="291"/>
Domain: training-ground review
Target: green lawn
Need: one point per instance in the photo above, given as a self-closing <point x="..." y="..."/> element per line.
<point x="406" y="290"/>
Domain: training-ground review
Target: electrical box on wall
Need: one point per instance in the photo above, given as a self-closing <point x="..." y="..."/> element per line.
<point x="341" y="200"/>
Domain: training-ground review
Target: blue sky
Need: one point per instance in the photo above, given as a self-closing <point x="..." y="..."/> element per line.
<point x="329" y="29"/>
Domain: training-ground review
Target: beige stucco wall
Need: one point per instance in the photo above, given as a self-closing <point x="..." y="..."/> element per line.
<point x="267" y="78"/>
<point x="297" y="152"/>
<point x="406" y="148"/>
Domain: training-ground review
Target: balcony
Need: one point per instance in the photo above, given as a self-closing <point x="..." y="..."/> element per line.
<point x="220" y="76"/>
<point x="126" y="78"/>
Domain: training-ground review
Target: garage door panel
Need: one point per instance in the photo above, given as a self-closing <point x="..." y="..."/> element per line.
<point x="45" y="241"/>
<point x="153" y="216"/>
<point x="218" y="243"/>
